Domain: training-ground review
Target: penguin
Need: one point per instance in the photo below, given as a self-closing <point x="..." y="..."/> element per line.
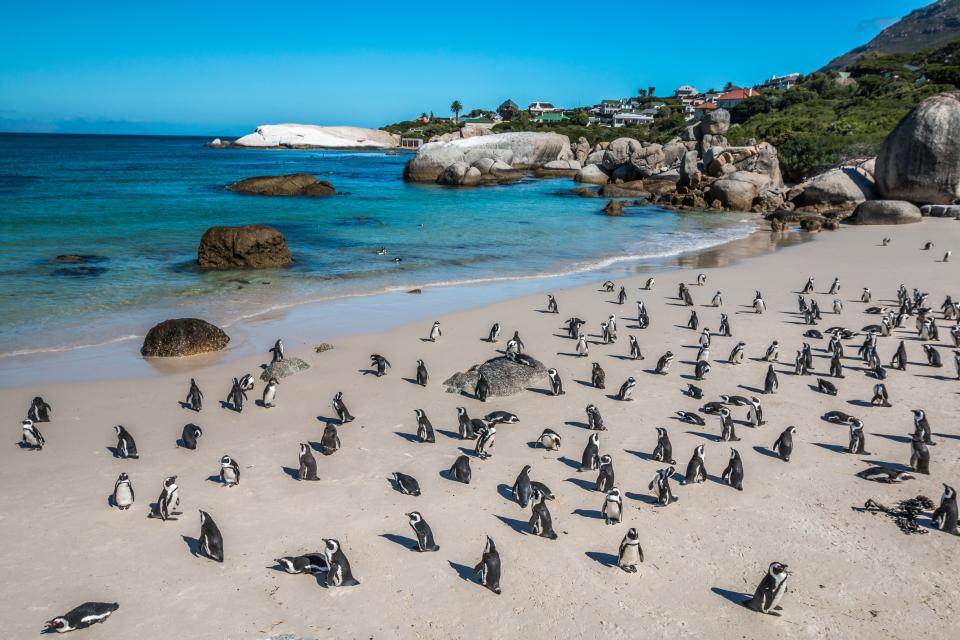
<point x="583" y="350"/>
<point x="485" y="442"/>
<point x="424" y="533"/>
<point x="236" y="396"/>
<point x="229" y="471"/>
<point x="728" y="431"/>
<point x="784" y="444"/>
<point x="827" y="387"/>
<point x="717" y="300"/>
<point x="494" y="334"/>
<point x="663" y="452"/>
<point x="880" y="397"/>
<point x="81" y="617"/>
<point x="465" y="424"/>
<point x="837" y="306"/>
<point x="606" y="475"/>
<point x="703" y="355"/>
<point x="694" y="322"/>
<point x="696" y="471"/>
<point x="489" y="567"/>
<point x="573" y="327"/>
<point x="956" y="361"/>
<point x="838" y="417"/>
<point x="552" y="304"/>
<point x="421" y="373"/>
<point x="755" y="412"/>
<point x="630" y="553"/>
<point x="663" y="364"/>
<point x="188" y="438"/>
<point x="733" y="474"/>
<point x="460" y="471"/>
<point x="550" y="440"/>
<point x="635" y="353"/>
<point x="556" y="384"/>
<point x="946" y="256"/>
<point x="609" y="333"/>
<point x="933" y="356"/>
<point x="705" y="337"/>
<point x="690" y="418"/>
<point x="725" y="326"/>
<point x="927" y="246"/>
<point x="836" y="366"/>
<point x="211" y="540"/>
<point x="311" y="563"/>
<point x="945" y="516"/>
<point x="626" y="390"/>
<point x="919" y="456"/>
<point x="922" y="426"/>
<point x="541" y="523"/>
<point x="590" y="459"/>
<point x="382" y="364"/>
<point x="39" y="410"/>
<point x="736" y="401"/>
<point x="800" y="365"/>
<point x="482" y="389"/>
<point x="519" y="343"/>
<point x="834" y="288"/>
<point x="435" y="332"/>
<point x="424" y="427"/>
<point x="594" y="419"/>
<point x="31" y="438"/>
<point x="736" y="356"/>
<point x="693" y="391"/>
<point x="701" y="369"/>
<point x="759" y="306"/>
<point x="330" y="441"/>
<point x="405" y="484"/>
<point x="701" y="279"/>
<point x="808" y="288"/>
<point x="899" y="360"/>
<point x="270" y="393"/>
<point x="340" y="408"/>
<point x="123" y="492"/>
<point x="884" y="474"/>
<point x="622" y="295"/>
<point x="338" y="571"/>
<point x="613" y="507"/>
<point x="501" y="417"/>
<point x="598" y="378"/>
<point x="168" y="502"/>
<point x="277" y="350"/>
<point x="771" y="383"/>
<point x="649" y="284"/>
<point x="858" y="440"/>
<point x="773" y="352"/>
<point x="308" y="464"/>
<point x="769" y="593"/>
<point x="687" y="298"/>
<point x="712" y="408"/>
<point x="661" y="481"/>
<point x="522" y="488"/>
<point x="194" y="397"/>
<point x="126" y="447"/>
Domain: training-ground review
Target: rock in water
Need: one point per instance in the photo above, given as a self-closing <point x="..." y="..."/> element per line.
<point x="592" y="174"/>
<point x="920" y="159"/>
<point x="886" y="212"/>
<point x="296" y="184"/>
<point x="183" y="337"/>
<point x="506" y="377"/>
<point x="283" y="368"/>
<point x="249" y="247"/>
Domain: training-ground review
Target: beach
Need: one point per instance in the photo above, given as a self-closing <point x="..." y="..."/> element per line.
<point x="854" y="574"/>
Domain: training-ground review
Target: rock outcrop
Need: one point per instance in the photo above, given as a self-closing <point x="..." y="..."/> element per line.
<point x="842" y="188"/>
<point x="592" y="174"/>
<point x="886" y="212"/>
<point x="920" y="159"/>
<point x="518" y="150"/>
<point x="506" y="377"/>
<point x="283" y="368"/>
<point x="296" y="184"/>
<point x="309" y="136"/>
<point x="183" y="337"/>
<point x="247" y="247"/>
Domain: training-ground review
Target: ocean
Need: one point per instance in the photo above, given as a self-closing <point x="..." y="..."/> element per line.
<point x="138" y="205"/>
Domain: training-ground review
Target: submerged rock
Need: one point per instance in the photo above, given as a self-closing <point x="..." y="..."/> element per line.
<point x="506" y="377"/>
<point x="248" y="247"/>
<point x="283" y="368"/>
<point x="296" y="184"/>
<point x="183" y="337"/>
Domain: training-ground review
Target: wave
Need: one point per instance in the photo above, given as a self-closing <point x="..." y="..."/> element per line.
<point x="63" y="348"/>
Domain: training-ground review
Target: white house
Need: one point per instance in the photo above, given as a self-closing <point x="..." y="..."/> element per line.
<point x="539" y="108"/>
<point x="628" y="118"/>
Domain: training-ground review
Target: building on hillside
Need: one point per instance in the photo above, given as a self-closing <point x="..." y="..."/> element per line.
<point x="685" y="91"/>
<point x="410" y="143"/>
<point x="732" y="98"/>
<point x="551" y="117"/>
<point x="631" y="118"/>
<point x="611" y="107"/>
<point x="780" y="83"/>
<point x="539" y="108"/>
<point x="701" y="108"/>
<point x="508" y="110"/>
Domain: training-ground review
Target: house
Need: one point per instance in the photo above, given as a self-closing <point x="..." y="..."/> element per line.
<point x="410" y="143"/>
<point x="780" y="83"/>
<point x="610" y="107"/>
<point x="701" y="108"/>
<point x="732" y="98"/>
<point x="685" y="91"/>
<point x="552" y="117"/>
<point x="631" y="118"/>
<point x="539" y="108"/>
<point x="508" y="110"/>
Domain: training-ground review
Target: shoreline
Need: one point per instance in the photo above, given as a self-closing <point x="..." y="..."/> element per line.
<point x="357" y="314"/>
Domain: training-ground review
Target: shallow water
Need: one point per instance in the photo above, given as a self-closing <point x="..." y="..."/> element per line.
<point x="139" y="205"/>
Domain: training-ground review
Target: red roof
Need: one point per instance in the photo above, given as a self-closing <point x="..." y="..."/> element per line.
<point x="705" y="105"/>
<point x="738" y="94"/>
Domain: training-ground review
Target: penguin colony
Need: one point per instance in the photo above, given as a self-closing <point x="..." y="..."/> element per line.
<point x="908" y="315"/>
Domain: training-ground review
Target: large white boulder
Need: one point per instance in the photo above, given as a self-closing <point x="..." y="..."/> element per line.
<point x="314" y="136"/>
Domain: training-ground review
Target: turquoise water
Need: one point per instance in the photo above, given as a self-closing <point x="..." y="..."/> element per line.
<point x="139" y="205"/>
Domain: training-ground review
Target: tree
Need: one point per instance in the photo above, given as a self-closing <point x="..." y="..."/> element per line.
<point x="580" y="118"/>
<point x="651" y="91"/>
<point x="728" y="87"/>
<point x="456" y="107"/>
<point x="642" y="93"/>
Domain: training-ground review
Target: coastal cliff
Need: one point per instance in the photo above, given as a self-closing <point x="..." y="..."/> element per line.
<point x="310" y="136"/>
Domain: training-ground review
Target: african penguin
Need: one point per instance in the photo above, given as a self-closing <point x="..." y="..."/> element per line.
<point x="733" y="474"/>
<point x="460" y="471"/>
<point x="81" y="617"/>
<point x="123" y="492"/>
<point x="630" y="553"/>
<point x="126" y="447"/>
<point x="308" y="464"/>
<point x="696" y="471"/>
<point x="769" y="593"/>
<point x="229" y="471"/>
<point x="330" y="440"/>
<point x="405" y="484"/>
<point x="590" y="459"/>
<point x="489" y="567"/>
<point x="338" y="571"/>
<point x="613" y="507"/>
<point x="211" y="541"/>
<point x="423" y="532"/>
<point x="188" y="438"/>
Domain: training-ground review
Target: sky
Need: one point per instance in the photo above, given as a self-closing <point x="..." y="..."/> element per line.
<point x="222" y="68"/>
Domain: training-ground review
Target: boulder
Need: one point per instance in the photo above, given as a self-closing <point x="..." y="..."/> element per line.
<point x="690" y="175"/>
<point x="592" y="174"/>
<point x="563" y="165"/>
<point x="737" y="195"/>
<point x="941" y="210"/>
<point x="920" y="159"/>
<point x="506" y="377"/>
<point x="183" y="337"/>
<point x="619" y="152"/>
<point x="712" y="141"/>
<point x="309" y="136"/>
<point x="581" y="149"/>
<point x="613" y="208"/>
<point x="252" y="246"/>
<point x="647" y="160"/>
<point x="484" y="165"/>
<point x="691" y="133"/>
<point x="595" y="157"/>
<point x="471" y="178"/>
<point x="886" y="212"/>
<point x="660" y="186"/>
<point x="844" y="188"/>
<point x="296" y="184"/>
<point x="631" y="189"/>
<point x="760" y="158"/>
<point x="673" y="152"/>
<point x="715" y="122"/>
<point x="283" y="368"/>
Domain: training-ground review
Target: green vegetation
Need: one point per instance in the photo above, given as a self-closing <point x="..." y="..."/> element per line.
<point x="418" y="129"/>
<point x="827" y="118"/>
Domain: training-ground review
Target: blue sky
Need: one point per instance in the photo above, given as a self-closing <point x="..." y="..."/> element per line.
<point x="210" y="67"/>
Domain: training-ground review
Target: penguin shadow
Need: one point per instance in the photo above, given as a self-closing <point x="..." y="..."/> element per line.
<point x="585" y="383"/>
<point x="903" y="439"/>
<point x="641" y="454"/>
<point x="520" y="526"/>
<point x="573" y="464"/>
<point x="193" y="544"/>
<point x="544" y="392"/>
<point x="579" y="425"/>
<point x="114" y="451"/>
<point x="228" y="405"/>
<point x="327" y="420"/>
<point x="110" y="502"/>
<point x="766" y="452"/>
<point x="411" y="380"/>
<point x="947" y="435"/>
<point x="368" y="372"/>
<point x="690" y="376"/>
<point x="216" y="478"/>
<point x="316" y="446"/>
<point x="293" y="473"/>
<point x="606" y="559"/>
<point x="860" y="403"/>
<point x="691" y="363"/>
<point x="615" y="397"/>
<point x="932" y="376"/>
<point x="561" y="335"/>
<point x="896" y="466"/>
<point x="736" y="597"/>
<point x="836" y="448"/>
<point x="707" y="436"/>
<point x="506" y="492"/>
<point x="259" y="403"/>
<point x="588" y="513"/>
<point x="465" y="572"/>
<point x="750" y="389"/>
<point x="467" y="451"/>
<point x="184" y="405"/>
<point x="583" y="484"/>
<point x="403" y="541"/>
<point x="623" y="357"/>
<point x="453" y="435"/>
<point x="409" y="437"/>
<point x="640" y="497"/>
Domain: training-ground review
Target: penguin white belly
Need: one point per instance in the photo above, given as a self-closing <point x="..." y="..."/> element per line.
<point x="229" y="476"/>
<point x="124" y="497"/>
<point x="631" y="555"/>
<point x="611" y="510"/>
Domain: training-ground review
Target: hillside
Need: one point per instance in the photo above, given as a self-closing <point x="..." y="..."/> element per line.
<point x="931" y="26"/>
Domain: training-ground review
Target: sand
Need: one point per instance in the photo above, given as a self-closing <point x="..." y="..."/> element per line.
<point x="854" y="574"/>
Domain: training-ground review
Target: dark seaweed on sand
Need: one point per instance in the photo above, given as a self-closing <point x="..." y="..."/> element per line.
<point x="905" y="514"/>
